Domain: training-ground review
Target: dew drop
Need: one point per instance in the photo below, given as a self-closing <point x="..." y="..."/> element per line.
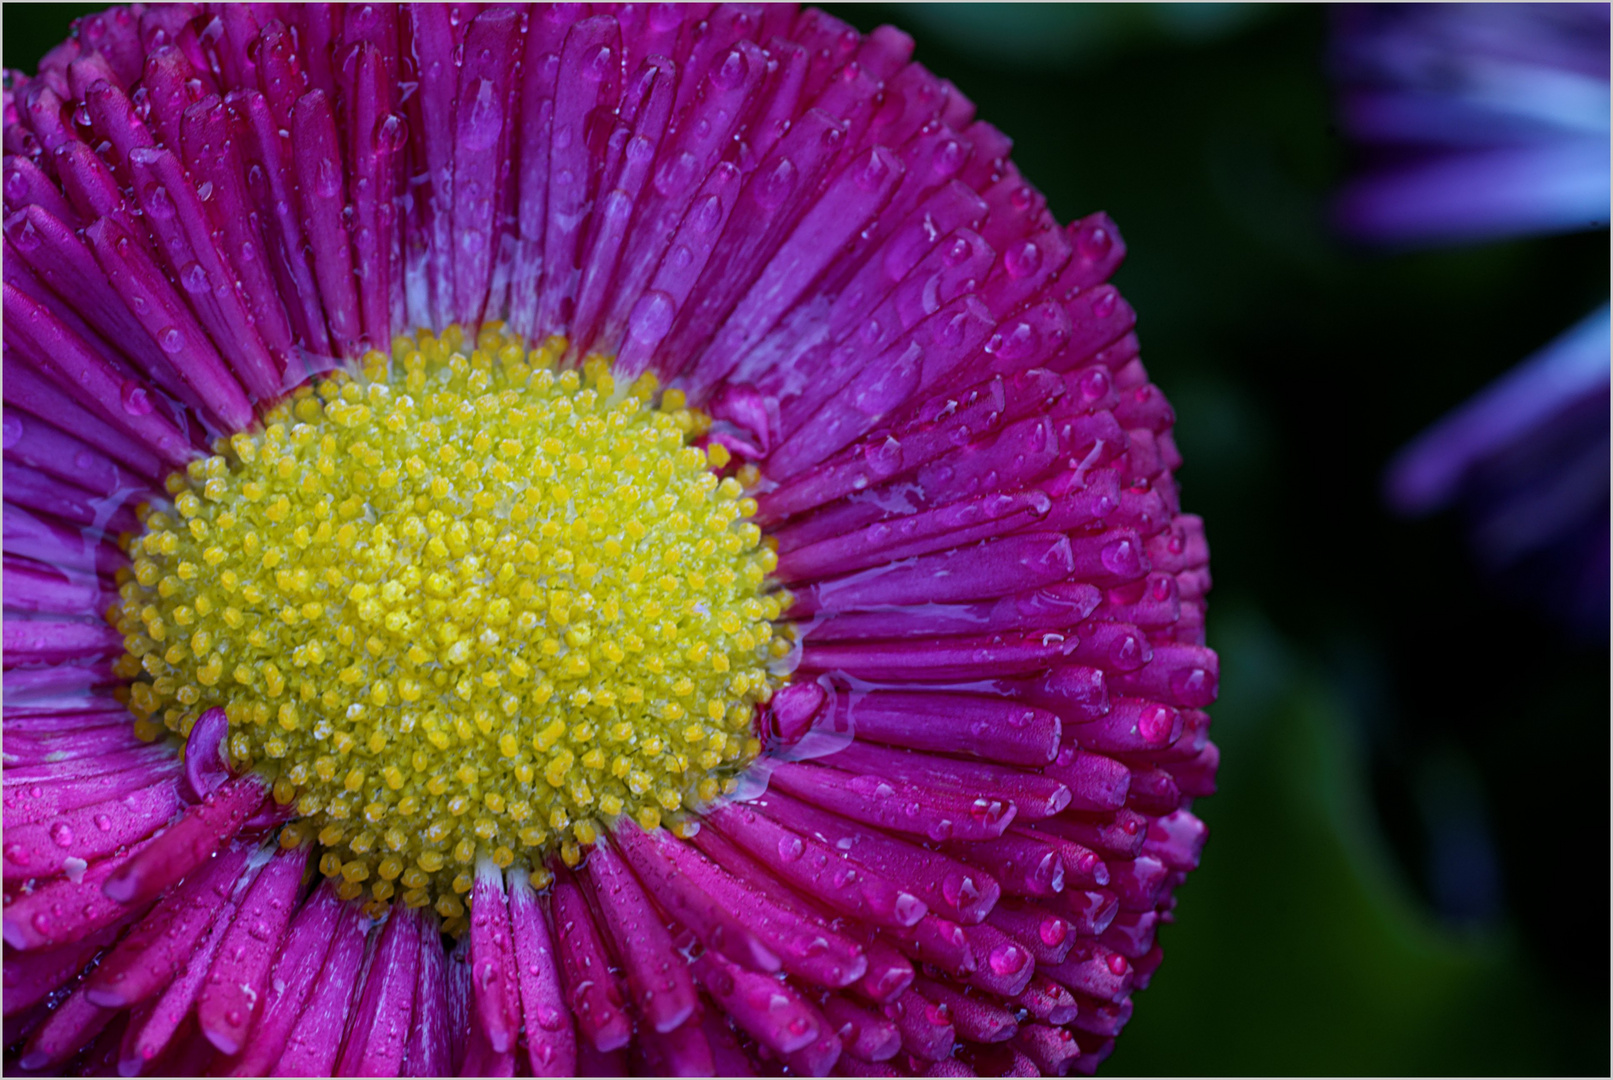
<point x="327" y="179"/>
<point x="731" y="72"/>
<point x="27" y="238"/>
<point x="775" y="187"/>
<point x="1094" y="242"/>
<point x="136" y="400"/>
<point x="1022" y="260"/>
<point x="651" y="318"/>
<point x="158" y="202"/>
<point x="1006" y="959"/>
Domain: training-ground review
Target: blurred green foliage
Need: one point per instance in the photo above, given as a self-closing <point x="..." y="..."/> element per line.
<point x="1364" y="663"/>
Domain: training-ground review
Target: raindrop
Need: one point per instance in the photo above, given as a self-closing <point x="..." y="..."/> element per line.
<point x="327" y="179"/>
<point x="171" y="340"/>
<point x="136" y="401"/>
<point x="775" y="187"/>
<point x="1022" y="260"/>
<point x="391" y="133"/>
<point x="675" y="176"/>
<point x="27" y="238"/>
<point x="1007" y="959"/>
<point x="872" y="174"/>
<point x="959" y="889"/>
<point x="1094" y="242"/>
<point x="707" y="215"/>
<point x="1120" y="557"/>
<point x="481" y="128"/>
<point x="1053" y="931"/>
<point x="731" y="72"/>
<point x="651" y="318"/>
<point x="12" y="429"/>
<point x="158" y="203"/>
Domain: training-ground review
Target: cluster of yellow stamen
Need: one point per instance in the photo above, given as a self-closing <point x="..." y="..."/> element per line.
<point x="473" y="606"/>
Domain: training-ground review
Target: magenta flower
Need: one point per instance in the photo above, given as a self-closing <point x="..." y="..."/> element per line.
<point x="648" y="504"/>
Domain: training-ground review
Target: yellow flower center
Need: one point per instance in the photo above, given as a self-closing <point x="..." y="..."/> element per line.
<point x="460" y="606"/>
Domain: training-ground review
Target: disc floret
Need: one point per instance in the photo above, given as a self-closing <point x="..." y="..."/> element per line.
<point x="463" y="603"/>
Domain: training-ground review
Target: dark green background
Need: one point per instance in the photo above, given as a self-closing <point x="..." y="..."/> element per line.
<point x="1373" y="687"/>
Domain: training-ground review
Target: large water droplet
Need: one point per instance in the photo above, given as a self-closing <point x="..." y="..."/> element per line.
<point x="327" y="178"/>
<point x="1094" y="242"/>
<point x="26" y="238"/>
<point x="731" y="72"/>
<point x="1022" y="260"/>
<point x="194" y="278"/>
<point x="651" y="317"/>
<point x="158" y="202"/>
<point x="1006" y="959"/>
<point x="391" y="133"/>
<point x="136" y="400"/>
<point x="775" y="187"/>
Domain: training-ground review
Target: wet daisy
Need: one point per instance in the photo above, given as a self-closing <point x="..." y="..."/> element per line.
<point x="559" y="541"/>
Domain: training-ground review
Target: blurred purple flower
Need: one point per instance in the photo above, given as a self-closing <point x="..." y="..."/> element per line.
<point x="1481" y="122"/>
<point x="1528" y="456"/>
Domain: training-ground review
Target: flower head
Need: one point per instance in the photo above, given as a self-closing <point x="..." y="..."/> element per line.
<point x="612" y="542"/>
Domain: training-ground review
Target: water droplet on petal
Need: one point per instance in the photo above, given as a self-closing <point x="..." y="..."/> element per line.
<point x="651" y="318"/>
<point x="136" y="400"/>
<point x="1006" y="959"/>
